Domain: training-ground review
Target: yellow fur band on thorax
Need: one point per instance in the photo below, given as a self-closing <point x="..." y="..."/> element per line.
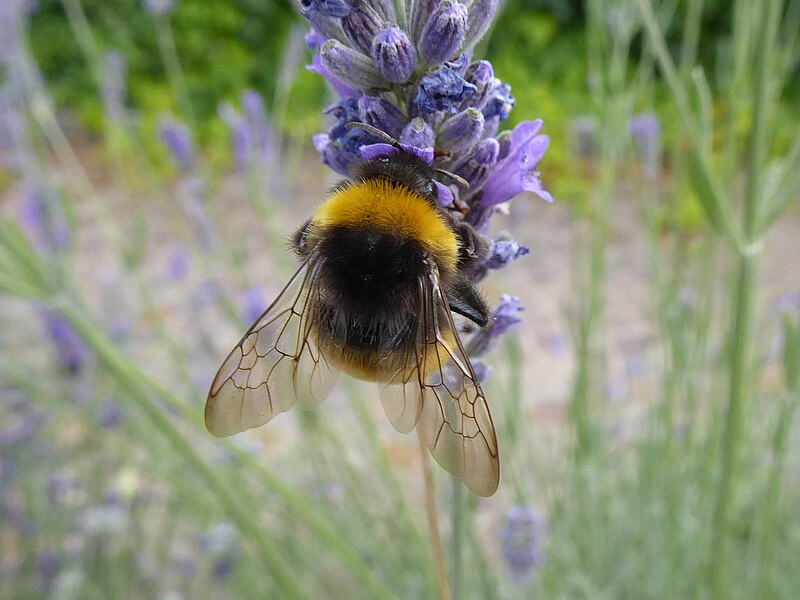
<point x="384" y="205"/>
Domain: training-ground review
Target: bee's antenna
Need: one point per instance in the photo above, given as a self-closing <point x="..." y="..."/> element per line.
<point x="373" y="131"/>
<point x="459" y="181"/>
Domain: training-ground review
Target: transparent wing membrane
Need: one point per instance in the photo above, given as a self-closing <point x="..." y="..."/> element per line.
<point x="437" y="392"/>
<point x="275" y="365"/>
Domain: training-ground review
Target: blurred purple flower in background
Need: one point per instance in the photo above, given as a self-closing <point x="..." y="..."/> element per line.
<point x="41" y="218"/>
<point x="240" y="134"/>
<point x="71" y="350"/>
<point x="645" y="131"/>
<point x="253" y="304"/>
<point x="221" y="544"/>
<point x="178" y="140"/>
<point x="261" y="133"/>
<point x="159" y="7"/>
<point x="178" y="264"/>
<point x="583" y="137"/>
<point x="520" y="542"/>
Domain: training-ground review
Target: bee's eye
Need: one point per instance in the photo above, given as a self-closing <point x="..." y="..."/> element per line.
<point x="383" y="159"/>
<point x="431" y="188"/>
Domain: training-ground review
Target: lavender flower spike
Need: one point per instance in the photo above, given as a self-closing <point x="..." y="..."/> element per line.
<point x="394" y="54"/>
<point x="443" y="34"/>
<point x="516" y="173"/>
<point x="405" y="67"/>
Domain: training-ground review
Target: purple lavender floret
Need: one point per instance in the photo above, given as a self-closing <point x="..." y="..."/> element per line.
<point x="504" y="316"/>
<point x="504" y="252"/>
<point x="253" y="304"/>
<point x="444" y="90"/>
<point x="520" y="542"/>
<point x="328" y="8"/>
<point x="416" y="80"/>
<point x="178" y="140"/>
<point x="71" y="350"/>
<point x="500" y="102"/>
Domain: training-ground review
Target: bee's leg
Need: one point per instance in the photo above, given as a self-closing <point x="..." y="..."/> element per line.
<point x="464" y="299"/>
<point x="473" y="248"/>
<point x="298" y="241"/>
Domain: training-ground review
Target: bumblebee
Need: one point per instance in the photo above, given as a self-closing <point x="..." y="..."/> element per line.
<point x="383" y="268"/>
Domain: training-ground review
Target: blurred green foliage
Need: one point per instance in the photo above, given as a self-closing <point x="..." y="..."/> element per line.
<point x="223" y="48"/>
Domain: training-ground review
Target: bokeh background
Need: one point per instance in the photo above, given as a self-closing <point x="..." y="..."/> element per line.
<point x="154" y="156"/>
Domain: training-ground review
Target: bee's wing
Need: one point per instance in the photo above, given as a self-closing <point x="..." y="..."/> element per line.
<point x="447" y="407"/>
<point x="276" y="364"/>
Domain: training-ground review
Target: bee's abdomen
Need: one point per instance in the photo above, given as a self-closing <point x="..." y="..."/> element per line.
<point x="371" y="273"/>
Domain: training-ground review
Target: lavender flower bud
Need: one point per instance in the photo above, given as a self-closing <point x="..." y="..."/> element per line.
<point x="479" y="216"/>
<point x="442" y="90"/>
<point x="443" y="33"/>
<point x="394" y="54"/>
<point x="504" y="315"/>
<point x="338" y="86"/>
<point x="504" y="139"/>
<point x="481" y="75"/>
<point x="490" y="126"/>
<point x="460" y="63"/>
<point x="385" y="9"/>
<point x="313" y="39"/>
<point x="332" y="154"/>
<point x="418" y="133"/>
<point x="328" y="8"/>
<point x="418" y="16"/>
<point x="475" y="167"/>
<point x="361" y="27"/>
<point x="382" y="114"/>
<point x="504" y="252"/>
<point x="481" y="15"/>
<point x="349" y="66"/>
<point x="178" y="140"/>
<point x="460" y="132"/>
<point x="324" y="16"/>
<point x="500" y="101"/>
